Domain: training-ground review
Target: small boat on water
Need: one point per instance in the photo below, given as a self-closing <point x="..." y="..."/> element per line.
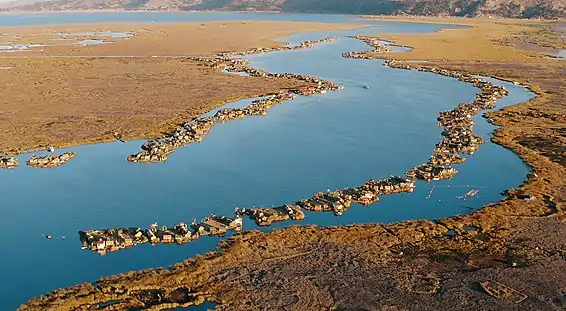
<point x="469" y="194"/>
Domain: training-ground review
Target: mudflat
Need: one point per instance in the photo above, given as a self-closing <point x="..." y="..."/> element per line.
<point x="507" y="256"/>
<point x="47" y="99"/>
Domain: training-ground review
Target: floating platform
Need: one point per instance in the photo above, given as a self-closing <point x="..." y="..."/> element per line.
<point x="432" y="172"/>
<point x="50" y="161"/>
<point x="8" y="162"/>
<point x="111" y="240"/>
<point x="267" y="216"/>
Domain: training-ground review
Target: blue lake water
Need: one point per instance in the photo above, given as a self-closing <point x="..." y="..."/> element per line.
<point x="161" y="17"/>
<point x="303" y="146"/>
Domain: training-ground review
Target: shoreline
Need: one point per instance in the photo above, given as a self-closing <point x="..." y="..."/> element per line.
<point x="174" y="120"/>
<point x="337" y="201"/>
<point x="290" y="211"/>
<point x="148" y="131"/>
<point x="394" y="243"/>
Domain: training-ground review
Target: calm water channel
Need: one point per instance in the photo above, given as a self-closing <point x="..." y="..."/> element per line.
<point x="310" y="144"/>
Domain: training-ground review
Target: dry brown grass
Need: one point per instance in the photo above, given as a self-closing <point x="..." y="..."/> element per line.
<point x="65" y="102"/>
<point x="479" y="42"/>
<point x="165" y="39"/>
<point x="86" y="100"/>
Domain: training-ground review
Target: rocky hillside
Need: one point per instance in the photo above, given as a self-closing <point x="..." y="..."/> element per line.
<point x="504" y="8"/>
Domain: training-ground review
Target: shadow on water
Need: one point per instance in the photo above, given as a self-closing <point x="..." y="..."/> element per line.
<point x="307" y="145"/>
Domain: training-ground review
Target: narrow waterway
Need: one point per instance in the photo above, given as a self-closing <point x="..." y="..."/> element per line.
<point x="303" y="146"/>
<point x="561" y="54"/>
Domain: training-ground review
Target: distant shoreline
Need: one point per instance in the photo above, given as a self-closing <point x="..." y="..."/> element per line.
<point x="9" y="11"/>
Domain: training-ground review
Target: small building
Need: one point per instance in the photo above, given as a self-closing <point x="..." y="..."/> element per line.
<point x="100" y="245"/>
<point x="167" y="238"/>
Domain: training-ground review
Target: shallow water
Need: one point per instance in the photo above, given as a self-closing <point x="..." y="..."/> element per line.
<point x="97" y="34"/>
<point x="22" y="19"/>
<point x="92" y="42"/>
<point x="12" y="48"/>
<point x="334" y="140"/>
<point x="561" y="54"/>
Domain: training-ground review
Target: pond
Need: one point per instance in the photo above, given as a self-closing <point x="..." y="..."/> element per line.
<point x="561" y="54"/>
<point x="310" y="144"/>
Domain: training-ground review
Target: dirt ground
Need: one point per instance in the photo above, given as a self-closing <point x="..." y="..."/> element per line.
<point x="71" y="101"/>
<point x="414" y="265"/>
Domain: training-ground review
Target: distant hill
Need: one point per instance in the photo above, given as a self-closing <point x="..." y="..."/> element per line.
<point x="502" y="8"/>
<point x="16" y="3"/>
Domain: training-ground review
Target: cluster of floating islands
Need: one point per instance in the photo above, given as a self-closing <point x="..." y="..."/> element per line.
<point x="157" y="150"/>
<point x="458" y="138"/>
<point x="50" y="160"/>
<point x="376" y="44"/>
<point x="302" y="45"/>
<point x="337" y="202"/>
<point x="111" y="240"/>
<point x="47" y="161"/>
<point x="8" y="162"/>
<point x="458" y="125"/>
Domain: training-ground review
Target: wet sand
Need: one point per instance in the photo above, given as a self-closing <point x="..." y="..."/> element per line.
<point x="430" y="264"/>
<point x="72" y="101"/>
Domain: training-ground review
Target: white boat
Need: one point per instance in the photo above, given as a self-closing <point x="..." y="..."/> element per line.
<point x="469" y="194"/>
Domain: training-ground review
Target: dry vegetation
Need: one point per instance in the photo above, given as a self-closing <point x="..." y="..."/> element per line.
<point x="166" y="39"/>
<point x="71" y="101"/>
<point x="409" y="265"/>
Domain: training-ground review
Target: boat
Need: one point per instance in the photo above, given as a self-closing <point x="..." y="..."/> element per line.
<point x="469" y="194"/>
